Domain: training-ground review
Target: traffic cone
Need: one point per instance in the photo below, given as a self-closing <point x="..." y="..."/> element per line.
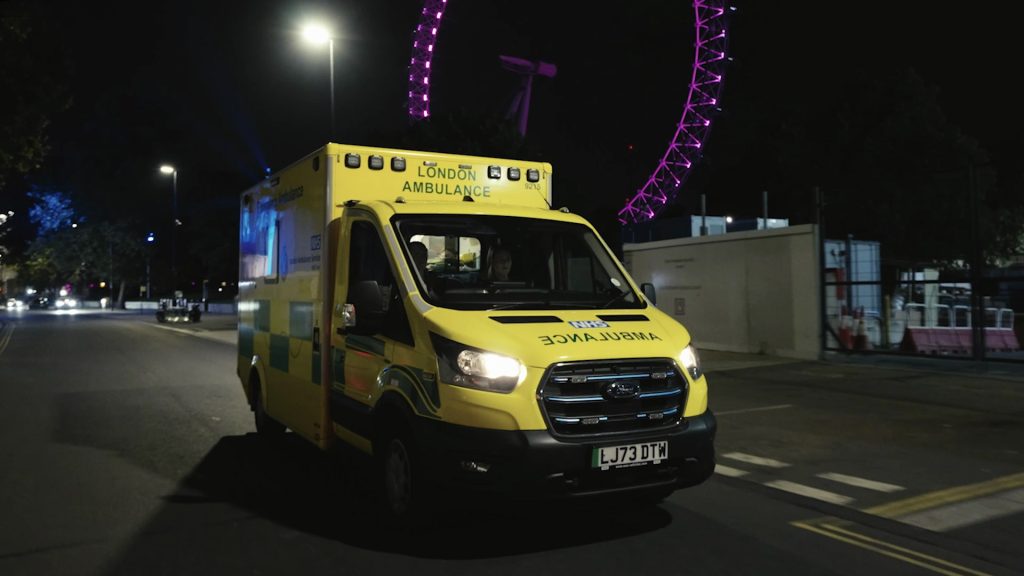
<point x="845" y="337"/>
<point x="861" y="341"/>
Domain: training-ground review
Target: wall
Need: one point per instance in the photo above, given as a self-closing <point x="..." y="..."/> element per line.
<point x="752" y="292"/>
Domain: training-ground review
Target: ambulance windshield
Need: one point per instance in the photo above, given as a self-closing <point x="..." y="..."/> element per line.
<point x="507" y="263"/>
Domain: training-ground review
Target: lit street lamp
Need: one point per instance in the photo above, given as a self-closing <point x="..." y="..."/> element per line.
<point x="149" y="240"/>
<point x="168" y="169"/>
<point x="317" y="34"/>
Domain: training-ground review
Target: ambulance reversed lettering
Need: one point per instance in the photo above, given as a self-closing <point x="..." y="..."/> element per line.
<point x="602" y="336"/>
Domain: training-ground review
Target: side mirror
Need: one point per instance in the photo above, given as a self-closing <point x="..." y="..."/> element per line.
<point x="648" y="289"/>
<point x="365" y="312"/>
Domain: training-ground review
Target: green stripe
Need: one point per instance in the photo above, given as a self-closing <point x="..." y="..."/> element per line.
<point x="428" y="387"/>
<point x="338" y="366"/>
<point x="365" y="344"/>
<point x="397" y="377"/>
<point x="279" y="352"/>
<point x="263" y="315"/>
<point x="300" y="320"/>
<point x="245" y="341"/>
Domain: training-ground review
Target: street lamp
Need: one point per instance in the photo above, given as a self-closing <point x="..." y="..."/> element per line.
<point x="168" y="169"/>
<point x="149" y="240"/>
<point x="317" y="34"/>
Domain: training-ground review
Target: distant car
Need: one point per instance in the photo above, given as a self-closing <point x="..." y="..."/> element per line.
<point x="15" y="304"/>
<point x="39" y="303"/>
<point x="66" y="302"/>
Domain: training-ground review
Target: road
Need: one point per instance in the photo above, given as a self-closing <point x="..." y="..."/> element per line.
<point x="127" y="448"/>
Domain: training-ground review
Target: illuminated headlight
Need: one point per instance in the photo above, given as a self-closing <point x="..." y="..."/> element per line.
<point x="468" y="367"/>
<point x="691" y="362"/>
<point x="72" y="302"/>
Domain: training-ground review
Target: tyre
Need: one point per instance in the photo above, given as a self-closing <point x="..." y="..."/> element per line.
<point x="399" y="476"/>
<point x="265" y="425"/>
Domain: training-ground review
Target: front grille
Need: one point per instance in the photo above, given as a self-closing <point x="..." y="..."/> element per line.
<point x="575" y="401"/>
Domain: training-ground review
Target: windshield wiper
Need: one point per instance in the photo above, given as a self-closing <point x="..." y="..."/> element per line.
<point x="514" y="306"/>
<point x="615" y="299"/>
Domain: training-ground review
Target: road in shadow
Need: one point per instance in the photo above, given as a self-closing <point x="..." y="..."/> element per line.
<point x="287" y="488"/>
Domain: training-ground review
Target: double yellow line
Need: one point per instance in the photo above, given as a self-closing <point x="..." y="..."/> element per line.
<point x="838" y="531"/>
<point x="947" y="496"/>
<point x="842" y="530"/>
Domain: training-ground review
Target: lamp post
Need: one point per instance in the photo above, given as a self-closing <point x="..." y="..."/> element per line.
<point x="168" y="169"/>
<point x="149" y="240"/>
<point x="317" y="34"/>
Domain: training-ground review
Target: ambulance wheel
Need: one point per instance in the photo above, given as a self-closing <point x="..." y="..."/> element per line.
<point x="265" y="425"/>
<point x="398" y="475"/>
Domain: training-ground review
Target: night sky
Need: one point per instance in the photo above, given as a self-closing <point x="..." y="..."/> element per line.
<point x="225" y="89"/>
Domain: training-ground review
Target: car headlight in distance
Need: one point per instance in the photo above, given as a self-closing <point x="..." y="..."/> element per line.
<point x="470" y="367"/>
<point x="691" y="362"/>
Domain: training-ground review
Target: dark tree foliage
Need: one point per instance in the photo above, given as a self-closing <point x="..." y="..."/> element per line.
<point x="890" y="165"/>
<point x="31" y="70"/>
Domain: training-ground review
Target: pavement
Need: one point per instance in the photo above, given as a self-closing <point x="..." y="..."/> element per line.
<point x="222" y="327"/>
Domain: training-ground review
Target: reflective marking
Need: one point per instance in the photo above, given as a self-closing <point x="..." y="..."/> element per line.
<point x="768" y="462"/>
<point x="617" y="377"/>
<point x="907" y="555"/>
<point x="575" y="398"/>
<point x="729" y="471"/>
<point x="968" y="513"/>
<point x="675" y="392"/>
<point x="809" y="492"/>
<point x="861" y="482"/>
<point x="761" y="409"/>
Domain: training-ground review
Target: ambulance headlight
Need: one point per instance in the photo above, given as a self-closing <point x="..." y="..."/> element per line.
<point x="470" y="367"/>
<point x="691" y="362"/>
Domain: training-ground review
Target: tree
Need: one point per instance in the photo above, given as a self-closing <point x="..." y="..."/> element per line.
<point x="892" y="167"/>
<point x="51" y="210"/>
<point x="32" y="94"/>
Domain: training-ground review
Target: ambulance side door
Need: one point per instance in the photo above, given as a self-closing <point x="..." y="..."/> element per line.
<point x="359" y="356"/>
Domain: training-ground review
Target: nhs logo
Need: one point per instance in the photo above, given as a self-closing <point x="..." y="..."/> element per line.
<point x="588" y="324"/>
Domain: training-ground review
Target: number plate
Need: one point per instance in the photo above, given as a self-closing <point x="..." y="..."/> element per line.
<point x="630" y="455"/>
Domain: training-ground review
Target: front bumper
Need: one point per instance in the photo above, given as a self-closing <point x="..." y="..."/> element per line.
<point x="535" y="464"/>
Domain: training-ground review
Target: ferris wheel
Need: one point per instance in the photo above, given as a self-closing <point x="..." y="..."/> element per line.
<point x="685" y="148"/>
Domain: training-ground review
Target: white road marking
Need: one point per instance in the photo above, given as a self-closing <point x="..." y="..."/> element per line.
<point x="6" y="331"/>
<point x="815" y="493"/>
<point x="729" y="471"/>
<point x="761" y="409"/>
<point x="749" y="459"/>
<point x="968" y="513"/>
<point x="861" y="482"/>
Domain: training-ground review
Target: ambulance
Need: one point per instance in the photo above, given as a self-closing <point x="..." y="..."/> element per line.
<point x="434" y="312"/>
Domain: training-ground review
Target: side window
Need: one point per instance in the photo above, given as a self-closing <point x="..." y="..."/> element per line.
<point x="259" y="240"/>
<point x="368" y="260"/>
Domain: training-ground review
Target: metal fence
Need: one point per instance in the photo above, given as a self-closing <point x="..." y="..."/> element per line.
<point x="871" y="305"/>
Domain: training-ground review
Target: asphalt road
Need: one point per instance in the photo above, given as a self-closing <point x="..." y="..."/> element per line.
<point x="126" y="447"/>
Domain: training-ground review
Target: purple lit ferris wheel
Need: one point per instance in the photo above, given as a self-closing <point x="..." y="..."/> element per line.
<point x="423" y="42"/>
<point x="701" y="103"/>
<point x="685" y="148"/>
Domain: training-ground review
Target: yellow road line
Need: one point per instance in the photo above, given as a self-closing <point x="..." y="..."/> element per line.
<point x="919" y="559"/>
<point x="946" y="496"/>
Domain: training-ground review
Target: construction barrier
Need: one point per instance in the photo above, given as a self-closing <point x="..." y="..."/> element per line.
<point x="955" y="341"/>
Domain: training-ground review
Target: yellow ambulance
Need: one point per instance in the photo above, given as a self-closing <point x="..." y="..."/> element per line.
<point x="433" y="311"/>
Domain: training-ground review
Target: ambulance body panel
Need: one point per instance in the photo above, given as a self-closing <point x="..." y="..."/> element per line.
<point x="560" y="379"/>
